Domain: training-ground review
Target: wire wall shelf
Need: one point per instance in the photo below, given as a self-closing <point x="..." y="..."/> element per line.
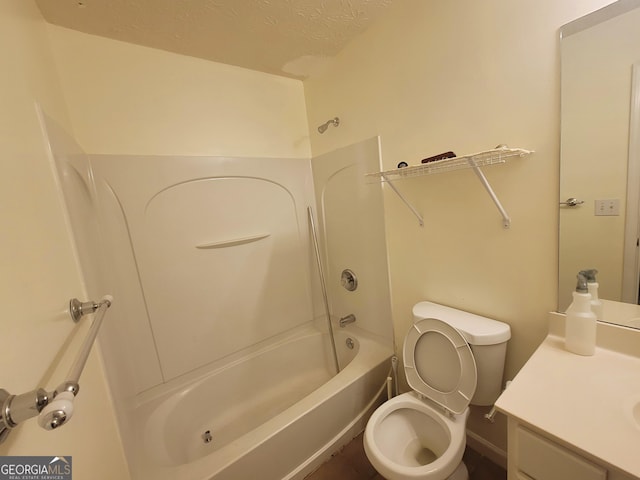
<point x="498" y="155"/>
<point x="480" y="159"/>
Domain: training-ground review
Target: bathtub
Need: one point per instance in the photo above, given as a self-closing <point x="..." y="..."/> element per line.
<point x="275" y="414"/>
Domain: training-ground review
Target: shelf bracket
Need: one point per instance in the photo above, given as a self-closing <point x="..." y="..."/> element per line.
<point x="404" y="200"/>
<point x="506" y="220"/>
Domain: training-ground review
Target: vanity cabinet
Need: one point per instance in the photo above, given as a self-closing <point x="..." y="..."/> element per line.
<point x="534" y="456"/>
<point x="574" y="417"/>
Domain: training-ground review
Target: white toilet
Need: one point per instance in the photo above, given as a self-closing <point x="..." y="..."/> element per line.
<point x="451" y="359"/>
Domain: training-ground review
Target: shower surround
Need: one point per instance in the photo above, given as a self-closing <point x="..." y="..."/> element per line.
<point x="210" y="264"/>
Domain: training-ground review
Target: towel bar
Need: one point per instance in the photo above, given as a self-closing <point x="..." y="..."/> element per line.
<point x="56" y="408"/>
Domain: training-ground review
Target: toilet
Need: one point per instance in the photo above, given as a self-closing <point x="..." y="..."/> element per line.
<point x="451" y="359"/>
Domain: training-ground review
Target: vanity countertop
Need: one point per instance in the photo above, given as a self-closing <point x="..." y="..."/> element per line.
<point x="584" y="402"/>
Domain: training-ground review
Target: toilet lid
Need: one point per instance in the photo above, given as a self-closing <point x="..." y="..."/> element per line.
<point x="439" y="364"/>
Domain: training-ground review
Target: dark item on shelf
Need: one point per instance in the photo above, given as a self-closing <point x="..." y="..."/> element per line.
<point x="440" y="156"/>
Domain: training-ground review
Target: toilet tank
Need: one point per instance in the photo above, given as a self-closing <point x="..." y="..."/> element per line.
<point x="487" y="339"/>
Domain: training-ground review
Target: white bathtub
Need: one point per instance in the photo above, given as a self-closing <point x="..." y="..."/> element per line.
<point x="276" y="414"/>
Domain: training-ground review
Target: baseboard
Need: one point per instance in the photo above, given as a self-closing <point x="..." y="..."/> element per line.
<point x="486" y="448"/>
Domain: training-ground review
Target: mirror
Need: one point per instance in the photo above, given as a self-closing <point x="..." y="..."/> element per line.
<point x="600" y="157"/>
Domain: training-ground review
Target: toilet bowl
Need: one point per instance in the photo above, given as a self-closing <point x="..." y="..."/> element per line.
<point x="451" y="359"/>
<point x="407" y="439"/>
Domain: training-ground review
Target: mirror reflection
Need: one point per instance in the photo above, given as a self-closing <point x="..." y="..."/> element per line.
<point x="600" y="157"/>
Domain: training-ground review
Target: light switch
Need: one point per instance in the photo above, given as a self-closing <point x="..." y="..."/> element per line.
<point x="610" y="206"/>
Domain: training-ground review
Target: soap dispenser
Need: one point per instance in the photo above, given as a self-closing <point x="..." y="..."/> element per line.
<point x="592" y="286"/>
<point x="580" y="327"/>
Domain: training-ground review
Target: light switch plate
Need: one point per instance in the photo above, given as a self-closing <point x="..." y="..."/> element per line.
<point x="606" y="207"/>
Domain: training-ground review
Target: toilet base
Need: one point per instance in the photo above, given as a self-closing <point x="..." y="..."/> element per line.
<point x="460" y="473"/>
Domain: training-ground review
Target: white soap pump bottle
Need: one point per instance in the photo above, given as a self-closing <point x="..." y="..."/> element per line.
<point x="580" y="326"/>
<point x="592" y="287"/>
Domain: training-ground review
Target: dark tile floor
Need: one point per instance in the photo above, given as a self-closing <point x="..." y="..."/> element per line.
<point x="351" y="463"/>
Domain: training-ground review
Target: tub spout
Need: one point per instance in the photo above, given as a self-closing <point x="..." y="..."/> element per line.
<point x="347" y="320"/>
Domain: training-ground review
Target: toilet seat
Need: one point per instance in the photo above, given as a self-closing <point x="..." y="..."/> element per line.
<point x="439" y="364"/>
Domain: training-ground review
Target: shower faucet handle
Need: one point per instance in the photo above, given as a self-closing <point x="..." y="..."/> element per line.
<point x="349" y="280"/>
<point x="344" y="321"/>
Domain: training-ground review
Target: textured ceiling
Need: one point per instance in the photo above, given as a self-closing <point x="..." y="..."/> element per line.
<point x="283" y="37"/>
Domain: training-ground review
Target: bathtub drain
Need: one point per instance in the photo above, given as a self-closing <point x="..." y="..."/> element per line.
<point x="350" y="343"/>
<point x="206" y="436"/>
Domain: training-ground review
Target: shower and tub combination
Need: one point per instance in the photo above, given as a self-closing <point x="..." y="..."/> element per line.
<point x="275" y="414"/>
<point x="218" y="353"/>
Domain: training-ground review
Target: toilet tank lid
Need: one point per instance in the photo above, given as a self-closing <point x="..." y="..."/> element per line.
<point x="475" y="329"/>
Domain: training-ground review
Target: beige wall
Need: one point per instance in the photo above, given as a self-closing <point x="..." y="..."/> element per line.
<point x="464" y="76"/>
<point x="39" y="269"/>
<point x="128" y="99"/>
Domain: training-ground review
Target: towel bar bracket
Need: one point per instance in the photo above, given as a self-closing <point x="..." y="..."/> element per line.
<point x="78" y="309"/>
